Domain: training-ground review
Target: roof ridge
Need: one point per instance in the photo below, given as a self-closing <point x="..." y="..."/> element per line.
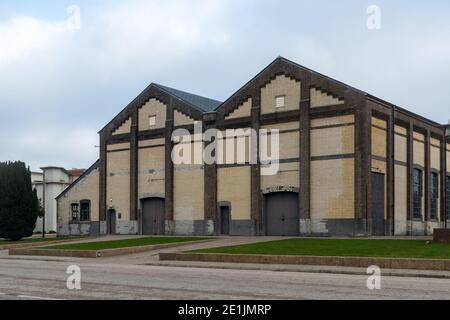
<point x="202" y="103"/>
<point x="194" y="94"/>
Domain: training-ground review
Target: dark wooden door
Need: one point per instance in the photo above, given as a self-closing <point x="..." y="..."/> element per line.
<point x="378" y="205"/>
<point x="112" y="222"/>
<point x="225" y="218"/>
<point x="282" y="214"/>
<point x="153" y="216"/>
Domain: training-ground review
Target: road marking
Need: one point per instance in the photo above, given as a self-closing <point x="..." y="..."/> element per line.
<point x="34" y="297"/>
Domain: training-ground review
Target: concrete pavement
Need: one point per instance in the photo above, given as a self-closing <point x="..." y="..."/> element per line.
<point x="25" y="279"/>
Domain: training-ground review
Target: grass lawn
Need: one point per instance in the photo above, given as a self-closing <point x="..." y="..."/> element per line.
<point x="37" y="239"/>
<point x="339" y="248"/>
<point x="128" y="243"/>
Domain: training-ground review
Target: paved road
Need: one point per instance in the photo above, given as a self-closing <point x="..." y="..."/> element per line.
<point x="28" y="279"/>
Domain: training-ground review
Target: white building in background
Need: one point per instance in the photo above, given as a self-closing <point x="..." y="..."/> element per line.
<point x="56" y="179"/>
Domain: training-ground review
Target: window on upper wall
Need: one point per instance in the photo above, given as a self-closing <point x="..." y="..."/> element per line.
<point x="418" y="191"/>
<point x="280" y="102"/>
<point x="74" y="208"/>
<point x="434" y="195"/>
<point x="85" y="210"/>
<point x="152" y="121"/>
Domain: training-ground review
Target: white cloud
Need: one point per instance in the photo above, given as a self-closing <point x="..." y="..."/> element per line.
<point x="72" y="147"/>
<point x="74" y="81"/>
<point x="140" y="31"/>
<point x="21" y="36"/>
<point x="120" y="41"/>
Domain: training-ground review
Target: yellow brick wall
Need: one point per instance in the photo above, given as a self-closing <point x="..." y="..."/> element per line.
<point x="244" y="110"/>
<point x="86" y="189"/>
<point x="118" y="181"/>
<point x="181" y="119"/>
<point x="435" y="154"/>
<point x="419" y="153"/>
<point x="124" y="128"/>
<point x="419" y="136"/>
<point x="294" y="125"/>
<point x="333" y="141"/>
<point x="379" y="123"/>
<point x="194" y="146"/>
<point x="448" y="157"/>
<point x="435" y="159"/>
<point x="401" y="193"/>
<point x="331" y="121"/>
<point x="435" y="142"/>
<point x="151" y="142"/>
<point x="288" y="145"/>
<point x="379" y="138"/>
<point x="320" y="99"/>
<point x="401" y="176"/>
<point x="233" y="148"/>
<point x="287" y="176"/>
<point x="233" y="185"/>
<point x="332" y="189"/>
<point x="401" y="130"/>
<point x="280" y="86"/>
<point x="289" y="141"/>
<point x="151" y="173"/>
<point x="188" y="193"/>
<point x="152" y="108"/>
<point x="119" y="146"/>
<point x="401" y="147"/>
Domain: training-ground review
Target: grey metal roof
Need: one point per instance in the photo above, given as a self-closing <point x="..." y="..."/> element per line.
<point x="202" y="103"/>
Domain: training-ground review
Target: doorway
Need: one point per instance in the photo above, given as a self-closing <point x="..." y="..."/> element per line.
<point x="282" y="217"/>
<point x="153" y="216"/>
<point x="111" y="222"/>
<point x="378" y="204"/>
<point x="225" y="220"/>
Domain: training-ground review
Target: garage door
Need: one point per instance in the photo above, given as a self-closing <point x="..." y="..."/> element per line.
<point x="282" y="214"/>
<point x="153" y="216"/>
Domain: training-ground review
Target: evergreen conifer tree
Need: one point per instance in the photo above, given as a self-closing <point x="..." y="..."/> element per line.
<point x="19" y="205"/>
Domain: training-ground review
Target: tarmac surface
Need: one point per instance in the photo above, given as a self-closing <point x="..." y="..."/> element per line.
<point x="142" y="276"/>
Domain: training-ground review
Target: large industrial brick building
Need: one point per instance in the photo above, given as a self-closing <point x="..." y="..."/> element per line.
<point x="350" y="164"/>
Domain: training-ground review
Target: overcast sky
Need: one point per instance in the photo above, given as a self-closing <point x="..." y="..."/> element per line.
<point x="59" y="85"/>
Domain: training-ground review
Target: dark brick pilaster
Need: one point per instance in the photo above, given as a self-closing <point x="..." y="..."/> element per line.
<point x="210" y="178"/>
<point x="363" y="165"/>
<point x="102" y="178"/>
<point x="390" y="176"/>
<point x="134" y="166"/>
<point x="305" y="154"/>
<point x="410" y="176"/>
<point x="256" y="198"/>
<point x="168" y="163"/>
<point x="443" y="180"/>
<point x="427" y="180"/>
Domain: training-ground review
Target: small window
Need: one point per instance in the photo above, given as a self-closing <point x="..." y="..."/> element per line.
<point x="85" y="210"/>
<point x="280" y="102"/>
<point x="152" y="121"/>
<point x="75" y="210"/>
